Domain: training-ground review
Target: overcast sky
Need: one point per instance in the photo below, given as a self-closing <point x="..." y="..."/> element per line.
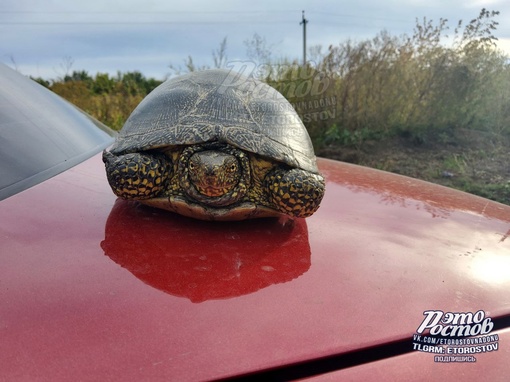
<point x="43" y="38"/>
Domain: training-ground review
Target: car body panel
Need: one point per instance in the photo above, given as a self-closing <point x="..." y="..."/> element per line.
<point x="108" y="289"/>
<point x="418" y="366"/>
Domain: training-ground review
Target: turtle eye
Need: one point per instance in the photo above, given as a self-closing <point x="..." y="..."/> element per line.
<point x="191" y="166"/>
<point x="233" y="167"/>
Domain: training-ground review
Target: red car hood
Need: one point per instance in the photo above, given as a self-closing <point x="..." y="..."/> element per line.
<point x="97" y="289"/>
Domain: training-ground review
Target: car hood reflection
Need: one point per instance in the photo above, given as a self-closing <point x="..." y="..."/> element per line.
<point x="204" y="260"/>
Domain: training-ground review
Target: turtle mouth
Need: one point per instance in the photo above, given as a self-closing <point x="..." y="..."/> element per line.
<point x="215" y="182"/>
<point x="212" y="191"/>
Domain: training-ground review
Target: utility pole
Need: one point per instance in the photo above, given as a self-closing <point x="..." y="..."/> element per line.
<point x="304" y="22"/>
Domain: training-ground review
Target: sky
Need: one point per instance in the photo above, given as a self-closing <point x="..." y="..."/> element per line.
<point x="52" y="38"/>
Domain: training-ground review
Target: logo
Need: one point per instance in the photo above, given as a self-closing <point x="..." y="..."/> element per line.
<point x="304" y="87"/>
<point x="455" y="337"/>
<point x="296" y="82"/>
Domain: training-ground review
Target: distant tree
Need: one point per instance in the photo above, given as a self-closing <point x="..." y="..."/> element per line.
<point x="65" y="66"/>
<point x="136" y="83"/>
<point x="41" y="81"/>
<point x="220" y="54"/>
<point x="103" y="84"/>
<point x="258" y="49"/>
<point x="81" y="75"/>
<point x="479" y="31"/>
<point x="13" y="62"/>
<point x="219" y="61"/>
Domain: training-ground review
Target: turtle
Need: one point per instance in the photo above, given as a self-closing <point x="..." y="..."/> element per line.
<point x="216" y="145"/>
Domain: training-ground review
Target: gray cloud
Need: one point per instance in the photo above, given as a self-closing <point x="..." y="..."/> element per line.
<point x="149" y="35"/>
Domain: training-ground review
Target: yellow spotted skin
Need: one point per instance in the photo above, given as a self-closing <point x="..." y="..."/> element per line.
<point x="218" y="178"/>
<point x="260" y="167"/>
<point x="136" y="176"/>
<point x="295" y="192"/>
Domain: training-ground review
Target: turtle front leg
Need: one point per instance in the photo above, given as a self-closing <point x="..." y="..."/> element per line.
<point x="295" y="192"/>
<point x="136" y="176"/>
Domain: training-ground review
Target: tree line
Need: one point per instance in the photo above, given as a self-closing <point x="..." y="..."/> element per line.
<point x="427" y="83"/>
<point x="110" y="99"/>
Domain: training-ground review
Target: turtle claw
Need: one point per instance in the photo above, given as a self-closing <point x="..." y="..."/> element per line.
<point x="136" y="176"/>
<point x="295" y="192"/>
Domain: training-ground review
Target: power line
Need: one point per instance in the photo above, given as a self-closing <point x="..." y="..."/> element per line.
<point x="265" y="12"/>
<point x="248" y="13"/>
<point x="280" y="18"/>
<point x="235" y="20"/>
<point x="51" y="23"/>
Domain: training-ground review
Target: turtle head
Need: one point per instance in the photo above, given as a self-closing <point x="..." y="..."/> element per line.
<point x="214" y="173"/>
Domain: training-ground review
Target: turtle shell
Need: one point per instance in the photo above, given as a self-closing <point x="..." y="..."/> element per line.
<point x="219" y="105"/>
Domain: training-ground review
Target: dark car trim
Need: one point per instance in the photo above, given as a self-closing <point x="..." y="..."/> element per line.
<point x="41" y="134"/>
<point x="336" y="362"/>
